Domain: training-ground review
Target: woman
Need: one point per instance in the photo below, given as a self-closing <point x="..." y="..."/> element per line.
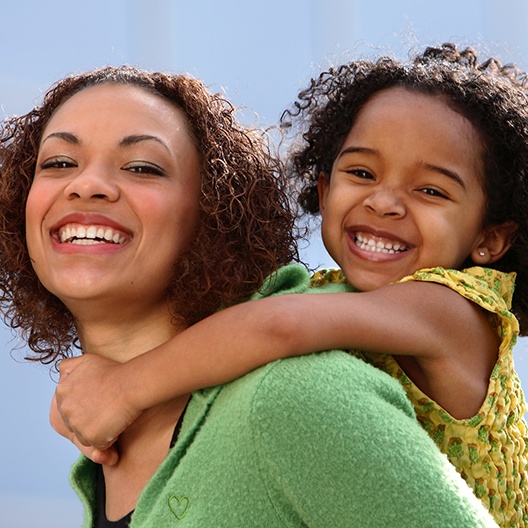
<point x="147" y="208"/>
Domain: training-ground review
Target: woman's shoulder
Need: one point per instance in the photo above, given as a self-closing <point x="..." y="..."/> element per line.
<point x="328" y="421"/>
<point x="327" y="386"/>
<point x="292" y="278"/>
<point x="295" y="278"/>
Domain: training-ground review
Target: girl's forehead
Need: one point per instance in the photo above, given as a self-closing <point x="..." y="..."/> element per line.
<point x="393" y="98"/>
<point x="414" y="129"/>
<point x="434" y="113"/>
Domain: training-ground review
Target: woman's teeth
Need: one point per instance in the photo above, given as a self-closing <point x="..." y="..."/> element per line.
<point x="377" y="246"/>
<point x="90" y="235"/>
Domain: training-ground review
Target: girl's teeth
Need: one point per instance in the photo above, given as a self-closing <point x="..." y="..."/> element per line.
<point x="379" y="246"/>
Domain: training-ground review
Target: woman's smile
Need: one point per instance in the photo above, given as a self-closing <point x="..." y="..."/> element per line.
<point x="89" y="235"/>
<point x="82" y="232"/>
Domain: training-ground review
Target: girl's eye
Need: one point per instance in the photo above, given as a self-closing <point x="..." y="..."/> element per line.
<point x="361" y="173"/>
<point x="433" y="192"/>
<point x="144" y="168"/>
<point x="58" y="163"/>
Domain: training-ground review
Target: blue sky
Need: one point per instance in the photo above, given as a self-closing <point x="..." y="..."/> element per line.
<point x="260" y="53"/>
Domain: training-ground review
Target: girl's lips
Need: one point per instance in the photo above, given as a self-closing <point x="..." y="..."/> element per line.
<point x="376" y="245"/>
<point x="379" y="244"/>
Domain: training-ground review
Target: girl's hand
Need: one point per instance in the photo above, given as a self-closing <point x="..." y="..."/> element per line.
<point x="108" y="457"/>
<point x="91" y="399"/>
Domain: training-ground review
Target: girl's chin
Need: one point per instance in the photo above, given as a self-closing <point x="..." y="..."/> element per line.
<point x="372" y="281"/>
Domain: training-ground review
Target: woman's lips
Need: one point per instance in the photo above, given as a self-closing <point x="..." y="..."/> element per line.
<point x="90" y="234"/>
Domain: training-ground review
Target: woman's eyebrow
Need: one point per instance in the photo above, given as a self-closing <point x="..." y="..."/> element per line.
<point x="66" y="136"/>
<point x="127" y="141"/>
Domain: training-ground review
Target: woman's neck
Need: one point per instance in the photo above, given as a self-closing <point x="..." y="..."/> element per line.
<point x="122" y="336"/>
<point x="142" y="448"/>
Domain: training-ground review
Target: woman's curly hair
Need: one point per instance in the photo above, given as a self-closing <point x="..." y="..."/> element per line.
<point x="491" y="96"/>
<point x="247" y="222"/>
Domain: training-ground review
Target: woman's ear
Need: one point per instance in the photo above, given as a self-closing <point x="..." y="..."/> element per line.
<point x="496" y="240"/>
<point x="323" y="186"/>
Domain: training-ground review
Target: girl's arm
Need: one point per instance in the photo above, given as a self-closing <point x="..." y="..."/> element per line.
<point x="98" y="398"/>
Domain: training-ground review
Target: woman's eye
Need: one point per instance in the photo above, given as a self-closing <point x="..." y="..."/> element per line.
<point x="58" y="163"/>
<point x="145" y="168"/>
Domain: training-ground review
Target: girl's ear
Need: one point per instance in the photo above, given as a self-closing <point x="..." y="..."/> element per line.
<point x="496" y="240"/>
<point x="323" y="186"/>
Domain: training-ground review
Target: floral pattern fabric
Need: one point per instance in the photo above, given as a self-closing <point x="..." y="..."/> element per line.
<point x="490" y="449"/>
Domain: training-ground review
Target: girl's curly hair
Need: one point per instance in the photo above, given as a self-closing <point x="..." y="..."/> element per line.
<point x="247" y="222"/>
<point x="491" y="96"/>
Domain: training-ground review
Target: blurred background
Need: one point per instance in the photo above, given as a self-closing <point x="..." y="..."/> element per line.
<point x="260" y="54"/>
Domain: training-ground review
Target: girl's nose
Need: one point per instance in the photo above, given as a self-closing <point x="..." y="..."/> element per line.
<point x="92" y="183"/>
<point x="385" y="202"/>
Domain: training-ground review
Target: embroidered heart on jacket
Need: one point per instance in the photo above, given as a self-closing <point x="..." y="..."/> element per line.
<point x="179" y="506"/>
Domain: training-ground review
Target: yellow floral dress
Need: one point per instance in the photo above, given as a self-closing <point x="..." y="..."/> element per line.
<point x="490" y="450"/>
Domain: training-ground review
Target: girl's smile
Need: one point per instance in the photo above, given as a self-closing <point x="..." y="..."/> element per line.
<point x="376" y="245"/>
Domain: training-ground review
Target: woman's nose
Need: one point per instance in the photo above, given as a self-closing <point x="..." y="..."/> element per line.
<point x="385" y="202"/>
<point x="92" y="183"/>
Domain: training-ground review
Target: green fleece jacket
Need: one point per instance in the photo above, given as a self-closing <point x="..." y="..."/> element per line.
<point x="324" y="440"/>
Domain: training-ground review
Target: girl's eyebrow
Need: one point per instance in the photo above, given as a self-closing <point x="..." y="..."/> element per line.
<point x="127" y="141"/>
<point x="352" y="150"/>
<point x="446" y="172"/>
<point x="442" y="170"/>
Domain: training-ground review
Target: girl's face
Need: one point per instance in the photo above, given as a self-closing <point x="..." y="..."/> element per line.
<point x="115" y="198"/>
<point x="405" y="191"/>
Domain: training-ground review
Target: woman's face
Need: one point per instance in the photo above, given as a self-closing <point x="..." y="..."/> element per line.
<point x="115" y="198"/>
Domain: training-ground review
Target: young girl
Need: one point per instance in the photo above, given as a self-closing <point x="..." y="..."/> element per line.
<point x="419" y="172"/>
